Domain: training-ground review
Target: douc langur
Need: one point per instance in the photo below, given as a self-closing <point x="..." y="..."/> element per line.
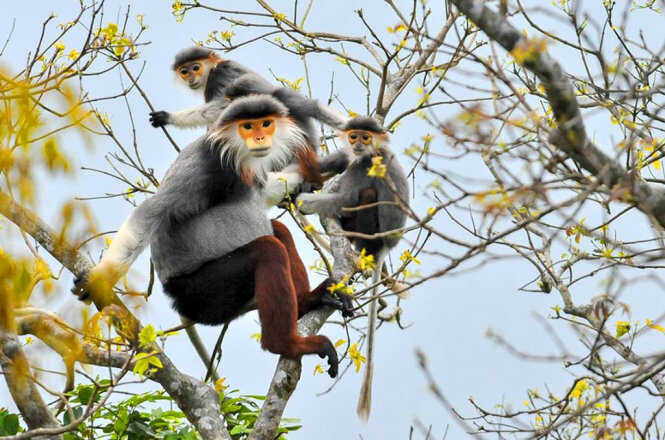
<point x="364" y="139"/>
<point x="224" y="80"/>
<point x="203" y="71"/>
<point x="303" y="110"/>
<point x="214" y="249"/>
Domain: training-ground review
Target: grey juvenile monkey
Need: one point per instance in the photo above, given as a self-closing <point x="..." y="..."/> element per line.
<point x="364" y="141"/>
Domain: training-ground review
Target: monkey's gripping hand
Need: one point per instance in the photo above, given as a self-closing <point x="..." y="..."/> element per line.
<point x="160" y="118"/>
<point x="325" y="204"/>
<point x="97" y="281"/>
<point x="80" y="288"/>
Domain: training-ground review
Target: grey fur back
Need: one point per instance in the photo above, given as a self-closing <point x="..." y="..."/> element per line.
<point x="391" y="216"/>
<point x="188" y="226"/>
<point x="210" y="235"/>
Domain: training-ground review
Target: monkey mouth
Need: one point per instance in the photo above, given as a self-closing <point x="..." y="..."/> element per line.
<point x="194" y="85"/>
<point x="359" y="151"/>
<point x="260" y="152"/>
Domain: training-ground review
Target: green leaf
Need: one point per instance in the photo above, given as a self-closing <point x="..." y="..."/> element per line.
<point x="10" y="424"/>
<point x="121" y="421"/>
<point x="84" y="393"/>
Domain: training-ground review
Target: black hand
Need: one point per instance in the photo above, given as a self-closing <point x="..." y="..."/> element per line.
<point x="79" y="288"/>
<point x="159" y="119"/>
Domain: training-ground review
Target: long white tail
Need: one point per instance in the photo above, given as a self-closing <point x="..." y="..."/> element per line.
<point x="365" y="399"/>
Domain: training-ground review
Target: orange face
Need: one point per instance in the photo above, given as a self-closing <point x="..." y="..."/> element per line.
<point x="362" y="136"/>
<point x="257" y="134"/>
<point x="195" y="73"/>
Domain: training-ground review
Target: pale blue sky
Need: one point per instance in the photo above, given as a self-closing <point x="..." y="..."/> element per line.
<point x="449" y="316"/>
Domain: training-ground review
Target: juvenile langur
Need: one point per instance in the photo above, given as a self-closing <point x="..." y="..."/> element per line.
<point x="214" y="249"/>
<point x="364" y="140"/>
<point x="203" y="71"/>
<point x="223" y="81"/>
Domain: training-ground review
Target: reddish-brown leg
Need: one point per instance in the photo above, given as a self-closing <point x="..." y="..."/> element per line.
<point x="278" y="305"/>
<point x="307" y="299"/>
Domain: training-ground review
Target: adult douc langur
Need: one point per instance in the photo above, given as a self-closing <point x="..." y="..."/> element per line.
<point x="214" y="249"/>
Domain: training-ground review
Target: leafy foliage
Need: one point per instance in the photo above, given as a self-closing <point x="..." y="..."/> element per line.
<point x="149" y="415"/>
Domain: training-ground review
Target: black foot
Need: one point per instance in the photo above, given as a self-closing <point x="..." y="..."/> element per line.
<point x="330" y="352"/>
<point x="79" y="288"/>
<point x="159" y="119"/>
<point x="337" y="301"/>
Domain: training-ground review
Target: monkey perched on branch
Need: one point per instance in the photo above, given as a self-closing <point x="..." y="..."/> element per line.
<point x="214" y="249"/>
<point x="368" y="200"/>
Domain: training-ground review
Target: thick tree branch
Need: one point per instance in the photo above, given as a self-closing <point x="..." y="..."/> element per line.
<point x="571" y="137"/>
<point x="21" y="386"/>
<point x="198" y="401"/>
<point x="288" y="371"/>
<point x="571" y="134"/>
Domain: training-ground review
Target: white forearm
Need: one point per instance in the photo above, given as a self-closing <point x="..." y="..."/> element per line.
<point x="280" y="184"/>
<point x="132" y="237"/>
<point x="197" y="116"/>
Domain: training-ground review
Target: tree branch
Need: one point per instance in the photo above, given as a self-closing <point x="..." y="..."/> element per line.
<point x="288" y="371"/>
<point x="571" y="134"/>
<point x="21" y="386"/>
<point x="198" y="401"/>
<point x="571" y="137"/>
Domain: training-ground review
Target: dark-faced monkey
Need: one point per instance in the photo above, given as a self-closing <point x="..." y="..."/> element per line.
<point x="365" y="148"/>
<point x="214" y="249"/>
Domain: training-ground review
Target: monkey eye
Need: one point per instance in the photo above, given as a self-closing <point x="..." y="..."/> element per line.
<point x="365" y="137"/>
<point x="353" y="136"/>
<point x="183" y="71"/>
<point x="267" y="123"/>
<point x="247" y="126"/>
<point x="196" y="67"/>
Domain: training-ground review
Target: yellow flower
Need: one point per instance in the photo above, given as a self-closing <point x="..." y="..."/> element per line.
<point x="220" y="386"/>
<point x="340" y="342"/>
<point x="342" y="287"/>
<point x="655" y="326"/>
<point x="109" y="31"/>
<point x="318" y="369"/>
<point x="378" y="169"/>
<point x="406" y="256"/>
<point x="580" y="387"/>
<point x="366" y="262"/>
<point x="357" y="358"/>
<point x="528" y="49"/>
<point x="256" y="336"/>
<point x="622" y="327"/>
<point x="309" y="229"/>
<point x="60" y="46"/>
<point x="73" y="54"/>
